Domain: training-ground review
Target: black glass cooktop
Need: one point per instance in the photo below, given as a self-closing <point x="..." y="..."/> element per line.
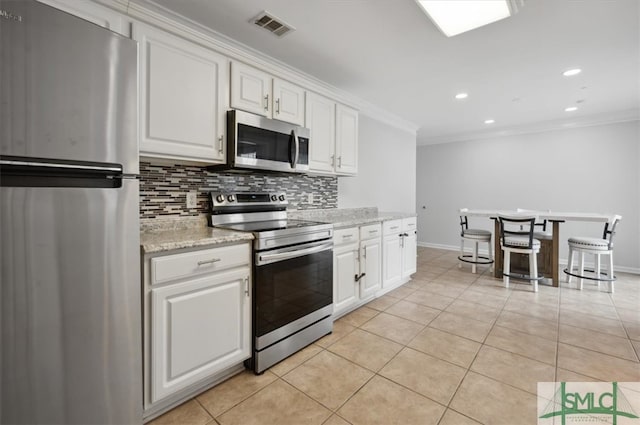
<point x="271" y="225"/>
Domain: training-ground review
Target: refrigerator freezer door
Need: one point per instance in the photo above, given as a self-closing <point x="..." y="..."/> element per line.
<point x="70" y="306"/>
<point x="68" y="88"/>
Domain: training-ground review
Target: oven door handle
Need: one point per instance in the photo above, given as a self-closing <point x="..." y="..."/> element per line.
<point x="289" y="254"/>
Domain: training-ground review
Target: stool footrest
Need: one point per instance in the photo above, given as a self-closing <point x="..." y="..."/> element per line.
<point x="522" y="276"/>
<point x="480" y="259"/>
<point x="599" y="279"/>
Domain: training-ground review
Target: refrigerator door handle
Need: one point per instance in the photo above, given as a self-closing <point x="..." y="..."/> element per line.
<point x="80" y="167"/>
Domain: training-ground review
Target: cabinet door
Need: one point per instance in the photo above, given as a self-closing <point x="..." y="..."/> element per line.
<point x="409" y="254"/>
<point x="320" y="118"/>
<point x="182" y="98"/>
<point x="391" y="260"/>
<point x="198" y="328"/>
<point x="344" y="271"/>
<point x="370" y="264"/>
<point x="288" y="102"/>
<point x="250" y="89"/>
<point x="346" y="140"/>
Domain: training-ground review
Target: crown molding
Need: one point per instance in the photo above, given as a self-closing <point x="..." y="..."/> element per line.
<point x="149" y="12"/>
<point x="540" y="127"/>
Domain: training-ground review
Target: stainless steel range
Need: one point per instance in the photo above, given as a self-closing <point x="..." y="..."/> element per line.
<point x="292" y="273"/>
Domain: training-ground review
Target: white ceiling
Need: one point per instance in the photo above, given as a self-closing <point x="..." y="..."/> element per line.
<point x="388" y="53"/>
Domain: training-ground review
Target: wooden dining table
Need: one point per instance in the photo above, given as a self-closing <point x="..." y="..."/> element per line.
<point x="554" y="217"/>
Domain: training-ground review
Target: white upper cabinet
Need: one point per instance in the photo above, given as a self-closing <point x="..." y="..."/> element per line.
<point x="94" y="13"/>
<point x="321" y="120"/>
<point x="250" y="89"/>
<point x="256" y="91"/>
<point x="334" y="136"/>
<point x="183" y="97"/>
<point x="346" y="140"/>
<point x="288" y="102"/>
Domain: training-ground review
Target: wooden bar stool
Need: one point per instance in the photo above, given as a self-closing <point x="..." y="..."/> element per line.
<point x="597" y="247"/>
<point x="516" y="235"/>
<point x="476" y="236"/>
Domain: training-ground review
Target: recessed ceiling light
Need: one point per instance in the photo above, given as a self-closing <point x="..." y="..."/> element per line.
<point x="489" y="121"/>
<point x="455" y="17"/>
<point x="571" y="109"/>
<point x="572" y="72"/>
<point x="462" y="96"/>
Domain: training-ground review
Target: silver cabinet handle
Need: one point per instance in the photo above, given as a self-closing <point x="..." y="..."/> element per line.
<point x="277" y="106"/>
<point x="246" y="286"/>
<point x="220" y="148"/>
<point x="266" y="102"/>
<point x="393" y="227"/>
<point x="340" y="161"/>
<point x="333" y="160"/>
<point x="213" y="260"/>
<point x="364" y="252"/>
<point x="346" y="236"/>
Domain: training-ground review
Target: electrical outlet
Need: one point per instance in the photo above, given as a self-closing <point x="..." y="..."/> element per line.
<point x="310" y="198"/>
<point x="192" y="200"/>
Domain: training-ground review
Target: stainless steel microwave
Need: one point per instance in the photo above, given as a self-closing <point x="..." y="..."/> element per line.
<point x="259" y="143"/>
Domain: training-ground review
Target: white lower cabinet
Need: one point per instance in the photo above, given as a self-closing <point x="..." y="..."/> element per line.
<point x="356" y="266"/>
<point x="199" y="324"/>
<point x="399" y="253"/>
<point x="370" y="260"/>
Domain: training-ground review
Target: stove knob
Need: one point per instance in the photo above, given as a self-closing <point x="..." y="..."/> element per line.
<point x="274" y="198"/>
<point x="231" y="198"/>
<point x="281" y="197"/>
<point x="220" y="198"/>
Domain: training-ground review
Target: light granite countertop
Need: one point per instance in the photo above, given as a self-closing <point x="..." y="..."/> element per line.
<point x="348" y="217"/>
<point x="158" y="235"/>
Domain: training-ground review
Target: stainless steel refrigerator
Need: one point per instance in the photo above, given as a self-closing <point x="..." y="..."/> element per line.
<point x="70" y="308"/>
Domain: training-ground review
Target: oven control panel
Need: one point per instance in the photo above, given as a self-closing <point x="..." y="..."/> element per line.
<point x="247" y="199"/>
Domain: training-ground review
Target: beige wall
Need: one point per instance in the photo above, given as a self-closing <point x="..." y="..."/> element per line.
<point x="386" y="170"/>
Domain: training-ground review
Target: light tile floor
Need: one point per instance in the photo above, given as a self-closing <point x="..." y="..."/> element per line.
<point x="449" y="347"/>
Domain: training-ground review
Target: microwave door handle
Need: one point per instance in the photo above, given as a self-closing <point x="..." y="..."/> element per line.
<point x="294" y="138"/>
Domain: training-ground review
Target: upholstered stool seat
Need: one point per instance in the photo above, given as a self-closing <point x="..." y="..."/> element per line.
<point x="590" y="243"/>
<point x="476" y="236"/>
<point x="597" y="247"/>
<point x="516" y="235"/>
<point x="521" y="242"/>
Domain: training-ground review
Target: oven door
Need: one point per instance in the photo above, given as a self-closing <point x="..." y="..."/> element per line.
<point x="290" y="285"/>
<point x="266" y="144"/>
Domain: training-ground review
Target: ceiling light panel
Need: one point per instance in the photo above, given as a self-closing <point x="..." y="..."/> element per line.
<point x="462" y="96"/>
<point x="572" y="72"/>
<point x="456" y="17"/>
<point x="571" y="109"/>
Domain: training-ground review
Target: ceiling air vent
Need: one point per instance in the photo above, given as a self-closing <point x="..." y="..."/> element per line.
<point x="272" y="24"/>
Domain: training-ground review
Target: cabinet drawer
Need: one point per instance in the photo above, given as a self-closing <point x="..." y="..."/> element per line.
<point x="391" y="227"/>
<point x="342" y="236"/>
<point x="172" y="267"/>
<point x="409" y="224"/>
<point x="370" y="231"/>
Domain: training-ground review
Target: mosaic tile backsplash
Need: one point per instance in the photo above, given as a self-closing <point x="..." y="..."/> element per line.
<point x="163" y="188"/>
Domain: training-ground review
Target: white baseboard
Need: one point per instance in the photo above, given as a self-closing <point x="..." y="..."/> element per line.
<point x="563" y="261"/>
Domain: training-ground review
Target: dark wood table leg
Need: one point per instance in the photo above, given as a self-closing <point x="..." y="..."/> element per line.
<point x="555" y="255"/>
<point x="497" y="251"/>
